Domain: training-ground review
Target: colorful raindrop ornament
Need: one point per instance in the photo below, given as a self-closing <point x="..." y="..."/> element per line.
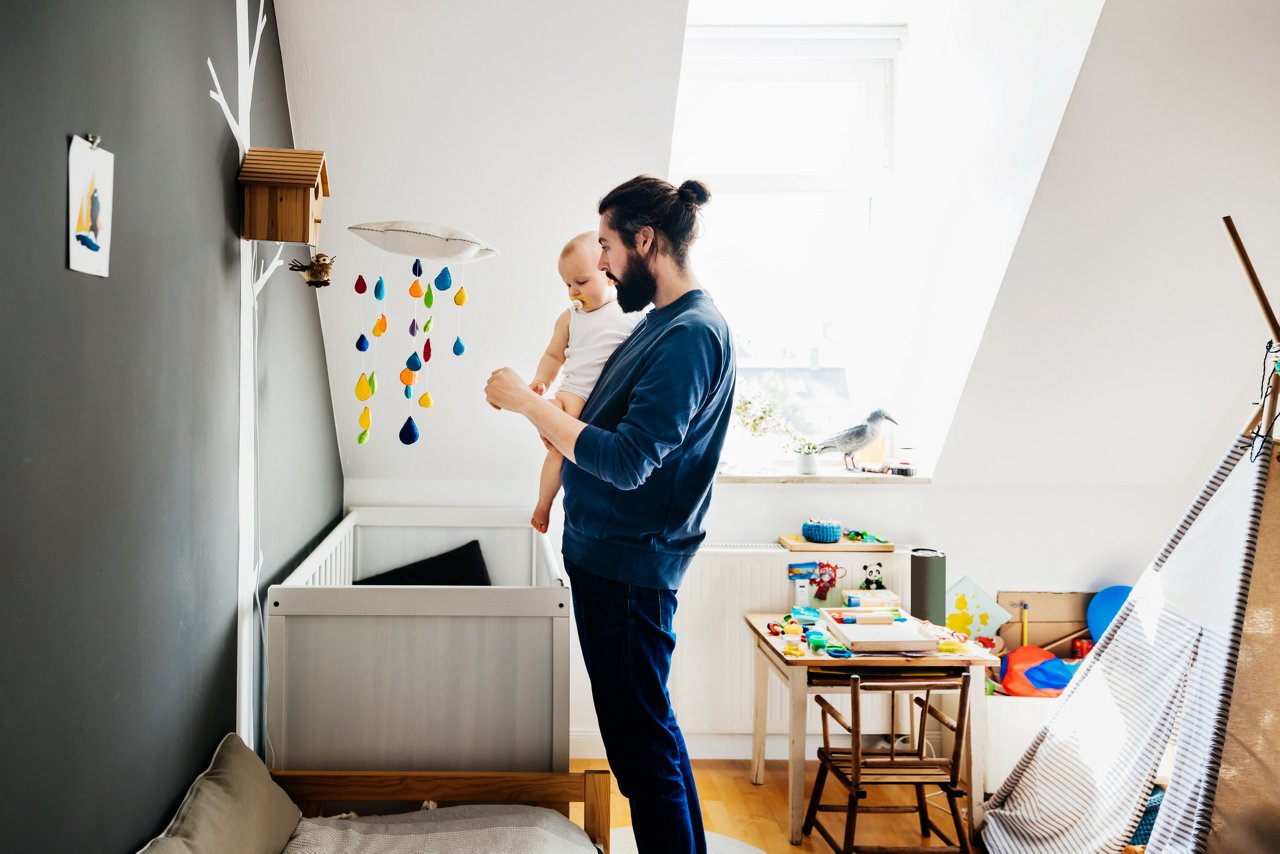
<point x="366" y="418"/>
<point x="444" y="280"/>
<point x="373" y="382"/>
<point x="413" y="363"/>
<point x="429" y="298"/>
<point x="425" y="400"/>
<point x="408" y="392"/>
<point x="417" y="266"/>
<point x="409" y="432"/>
<point x="363" y="437"/>
<point x="426" y="327"/>
<point x="407" y="377"/>
<point x="460" y="298"/>
<point x="426" y="350"/>
<point x="363" y="389"/>
<point x="415" y="290"/>
<point x="458" y="347"/>
<point x="362" y="343"/>
<point x="413" y="327"/>
<point x="380" y="326"/>
<point x="379" y="290"/>
<point x="361" y="287"/>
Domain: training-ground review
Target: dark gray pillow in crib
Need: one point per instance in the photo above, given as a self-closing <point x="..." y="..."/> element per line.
<point x="461" y="567"/>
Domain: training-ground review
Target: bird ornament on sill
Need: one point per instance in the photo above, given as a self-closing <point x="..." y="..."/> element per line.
<point x="856" y="438"/>
<point x="317" y="272"/>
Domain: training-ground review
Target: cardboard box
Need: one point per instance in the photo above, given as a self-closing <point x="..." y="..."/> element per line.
<point x="1051" y="617"/>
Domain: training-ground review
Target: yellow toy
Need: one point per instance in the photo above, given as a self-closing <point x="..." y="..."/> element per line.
<point x="794" y="637"/>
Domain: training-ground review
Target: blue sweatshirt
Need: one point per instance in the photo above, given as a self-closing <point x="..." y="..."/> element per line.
<point x="635" y="499"/>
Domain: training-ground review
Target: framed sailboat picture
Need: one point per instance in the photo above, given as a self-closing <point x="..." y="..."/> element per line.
<point x="90" y="191"/>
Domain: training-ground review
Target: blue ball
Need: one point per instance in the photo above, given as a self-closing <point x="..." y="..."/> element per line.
<point x="1104" y="606"/>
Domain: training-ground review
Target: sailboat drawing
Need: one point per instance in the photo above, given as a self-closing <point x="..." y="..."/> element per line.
<point x="87" y="223"/>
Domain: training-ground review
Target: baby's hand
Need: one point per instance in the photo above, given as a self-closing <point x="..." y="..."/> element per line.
<point x="538" y="388"/>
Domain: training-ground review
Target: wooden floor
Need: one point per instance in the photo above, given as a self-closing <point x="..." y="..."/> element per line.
<point x="757" y="815"/>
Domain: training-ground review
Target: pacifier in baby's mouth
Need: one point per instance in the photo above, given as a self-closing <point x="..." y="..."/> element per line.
<point x="579" y="303"/>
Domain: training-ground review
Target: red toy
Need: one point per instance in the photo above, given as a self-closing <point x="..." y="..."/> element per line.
<point x="825" y="578"/>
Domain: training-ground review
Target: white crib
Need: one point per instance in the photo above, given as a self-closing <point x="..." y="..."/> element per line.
<point x="420" y="678"/>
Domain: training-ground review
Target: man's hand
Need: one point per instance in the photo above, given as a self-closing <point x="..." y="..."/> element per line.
<point x="506" y="390"/>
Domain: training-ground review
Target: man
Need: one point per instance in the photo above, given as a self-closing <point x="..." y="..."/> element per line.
<point x="637" y="482"/>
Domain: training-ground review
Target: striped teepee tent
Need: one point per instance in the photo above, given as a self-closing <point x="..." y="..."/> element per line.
<point x="1192" y="660"/>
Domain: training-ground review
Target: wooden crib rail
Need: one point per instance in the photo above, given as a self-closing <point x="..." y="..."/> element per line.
<point x="310" y="789"/>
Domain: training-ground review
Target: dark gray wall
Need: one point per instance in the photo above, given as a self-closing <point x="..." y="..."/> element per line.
<point x="118" y="521"/>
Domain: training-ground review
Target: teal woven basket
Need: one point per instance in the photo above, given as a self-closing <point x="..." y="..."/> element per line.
<point x="822" y="532"/>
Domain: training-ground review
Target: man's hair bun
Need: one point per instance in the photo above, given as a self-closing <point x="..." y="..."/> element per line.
<point x="694" y="192"/>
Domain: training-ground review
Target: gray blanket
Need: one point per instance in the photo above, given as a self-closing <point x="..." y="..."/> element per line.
<point x="476" y="829"/>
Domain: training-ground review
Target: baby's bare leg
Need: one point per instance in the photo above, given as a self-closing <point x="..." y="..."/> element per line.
<point x="549" y="482"/>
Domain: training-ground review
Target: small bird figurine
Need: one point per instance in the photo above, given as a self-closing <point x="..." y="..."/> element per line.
<point x="317" y="272"/>
<point x="856" y="438"/>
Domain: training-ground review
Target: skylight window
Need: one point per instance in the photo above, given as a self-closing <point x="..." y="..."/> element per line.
<point x="792" y="130"/>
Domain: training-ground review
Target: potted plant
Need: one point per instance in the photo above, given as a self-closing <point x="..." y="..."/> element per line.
<point x="806" y="456"/>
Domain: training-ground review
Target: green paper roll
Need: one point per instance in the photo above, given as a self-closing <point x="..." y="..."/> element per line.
<point x="929" y="585"/>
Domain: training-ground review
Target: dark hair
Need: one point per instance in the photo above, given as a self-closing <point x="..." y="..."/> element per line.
<point x="671" y="212"/>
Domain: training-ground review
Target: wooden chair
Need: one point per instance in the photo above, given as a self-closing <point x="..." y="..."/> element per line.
<point x="856" y="768"/>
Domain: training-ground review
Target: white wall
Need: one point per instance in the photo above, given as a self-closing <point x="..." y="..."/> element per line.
<point x="1125" y="344"/>
<point x="509" y="120"/>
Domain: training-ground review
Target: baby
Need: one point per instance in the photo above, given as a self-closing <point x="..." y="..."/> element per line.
<point x="584" y="338"/>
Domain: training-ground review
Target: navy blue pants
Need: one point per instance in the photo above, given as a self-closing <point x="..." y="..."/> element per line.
<point x="626" y="638"/>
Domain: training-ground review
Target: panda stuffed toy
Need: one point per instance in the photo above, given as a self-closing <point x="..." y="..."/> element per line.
<point x="873" y="577"/>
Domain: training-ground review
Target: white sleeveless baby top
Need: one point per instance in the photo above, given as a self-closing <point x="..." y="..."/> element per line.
<point x="593" y="336"/>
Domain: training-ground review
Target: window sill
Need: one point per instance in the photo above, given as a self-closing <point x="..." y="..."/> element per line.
<point x="782" y="474"/>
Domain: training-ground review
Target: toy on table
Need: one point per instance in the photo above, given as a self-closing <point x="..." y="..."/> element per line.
<point x="804" y="615"/>
<point x="817" y="642"/>
<point x="857" y="616"/>
<point x="872" y="599"/>
<point x="873" y="577"/>
<point x="835" y="650"/>
<point x="793" y="645"/>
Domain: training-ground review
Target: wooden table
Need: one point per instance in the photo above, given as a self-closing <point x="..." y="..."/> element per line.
<point x="794" y="672"/>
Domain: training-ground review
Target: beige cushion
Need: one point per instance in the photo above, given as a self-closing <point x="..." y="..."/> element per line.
<point x="233" y="806"/>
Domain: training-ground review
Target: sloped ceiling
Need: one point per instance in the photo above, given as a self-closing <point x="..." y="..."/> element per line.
<point x="508" y="120"/>
<point x="1125" y="345"/>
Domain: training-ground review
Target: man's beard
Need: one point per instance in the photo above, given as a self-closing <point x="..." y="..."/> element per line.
<point x="637" y="285"/>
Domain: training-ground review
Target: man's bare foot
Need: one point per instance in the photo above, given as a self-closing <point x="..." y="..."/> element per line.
<point x="541" y="518"/>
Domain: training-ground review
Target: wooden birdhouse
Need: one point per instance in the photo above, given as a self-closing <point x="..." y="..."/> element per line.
<point x="283" y="193"/>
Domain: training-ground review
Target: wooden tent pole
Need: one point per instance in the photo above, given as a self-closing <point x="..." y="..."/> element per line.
<point x="1253" y="279"/>
<point x="1269" y="405"/>
<point x="1254" y="421"/>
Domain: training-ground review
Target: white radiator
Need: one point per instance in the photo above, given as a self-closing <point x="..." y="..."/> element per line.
<point x="712" y="672"/>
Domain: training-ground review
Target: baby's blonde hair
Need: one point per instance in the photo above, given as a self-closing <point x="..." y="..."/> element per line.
<point x="587" y="238"/>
